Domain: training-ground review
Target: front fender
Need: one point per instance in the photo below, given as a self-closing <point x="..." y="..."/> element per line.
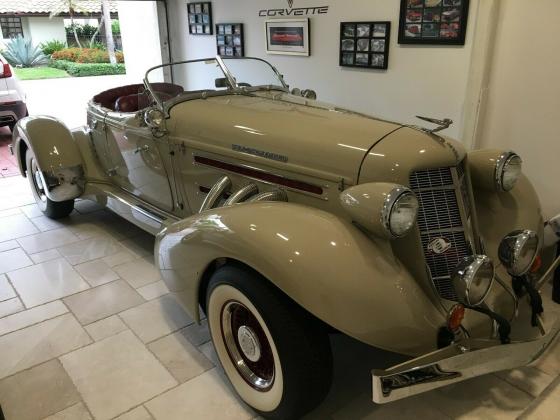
<point x="327" y="265"/>
<point x="56" y="153"/>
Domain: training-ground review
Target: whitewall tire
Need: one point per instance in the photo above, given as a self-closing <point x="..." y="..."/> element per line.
<point x="276" y="356"/>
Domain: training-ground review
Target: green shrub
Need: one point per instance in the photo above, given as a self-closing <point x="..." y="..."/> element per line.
<point x="21" y="52"/>
<point x="86" y="55"/>
<point x="52" y="46"/>
<point x="88" y="69"/>
<point x="98" y="46"/>
<point x="116" y="27"/>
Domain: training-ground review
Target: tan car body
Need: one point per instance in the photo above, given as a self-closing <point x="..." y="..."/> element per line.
<point x="371" y="288"/>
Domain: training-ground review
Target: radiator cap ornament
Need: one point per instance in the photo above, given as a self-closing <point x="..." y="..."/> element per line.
<point x="439" y="246"/>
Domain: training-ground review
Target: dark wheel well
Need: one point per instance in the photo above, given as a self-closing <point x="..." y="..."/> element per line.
<point x="22" y="152"/>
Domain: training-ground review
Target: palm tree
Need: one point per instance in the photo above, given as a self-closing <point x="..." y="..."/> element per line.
<point x="70" y="6"/>
<point x="108" y="31"/>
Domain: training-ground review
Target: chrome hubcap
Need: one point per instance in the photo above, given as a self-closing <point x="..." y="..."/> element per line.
<point x="37" y="181"/>
<point x="249" y="343"/>
<point x="247" y="346"/>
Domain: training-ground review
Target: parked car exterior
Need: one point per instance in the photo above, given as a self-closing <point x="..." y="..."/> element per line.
<point x="284" y="219"/>
<point x="12" y="96"/>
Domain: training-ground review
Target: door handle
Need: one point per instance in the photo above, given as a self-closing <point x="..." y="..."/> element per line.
<point x="144" y="148"/>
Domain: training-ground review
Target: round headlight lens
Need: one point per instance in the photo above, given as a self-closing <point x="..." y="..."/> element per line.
<point x="518" y="251"/>
<point x="400" y="211"/>
<point x="473" y="279"/>
<point x="508" y="171"/>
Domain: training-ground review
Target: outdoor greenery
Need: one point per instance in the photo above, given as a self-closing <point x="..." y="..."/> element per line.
<point x="21" y="52"/>
<point x="85" y="55"/>
<point x="116" y="27"/>
<point x="32" y="73"/>
<point x="52" y="46"/>
<point x="88" y="69"/>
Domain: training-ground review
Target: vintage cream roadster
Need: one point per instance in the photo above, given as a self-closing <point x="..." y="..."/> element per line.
<point x="284" y="219"/>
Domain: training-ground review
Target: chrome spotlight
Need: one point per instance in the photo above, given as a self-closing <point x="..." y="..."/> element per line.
<point x="473" y="279"/>
<point x="518" y="251"/>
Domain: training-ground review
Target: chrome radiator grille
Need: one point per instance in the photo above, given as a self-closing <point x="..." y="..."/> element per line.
<point x="442" y="194"/>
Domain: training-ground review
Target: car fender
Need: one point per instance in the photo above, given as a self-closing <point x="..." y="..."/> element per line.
<point x="327" y="265"/>
<point x="57" y="155"/>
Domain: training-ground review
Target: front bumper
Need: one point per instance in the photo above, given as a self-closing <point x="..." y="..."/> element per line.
<point x="458" y="362"/>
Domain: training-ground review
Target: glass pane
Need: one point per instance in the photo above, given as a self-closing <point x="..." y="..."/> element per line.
<point x="252" y="72"/>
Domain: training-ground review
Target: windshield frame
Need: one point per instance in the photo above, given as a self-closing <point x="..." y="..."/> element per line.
<point x="232" y="88"/>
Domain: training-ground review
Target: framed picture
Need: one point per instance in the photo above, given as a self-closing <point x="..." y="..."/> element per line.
<point x="229" y="39"/>
<point x="200" y="18"/>
<point x="435" y="22"/>
<point x="288" y="37"/>
<point x="365" y="44"/>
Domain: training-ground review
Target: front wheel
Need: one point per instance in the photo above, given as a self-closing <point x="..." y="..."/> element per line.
<point x="277" y="357"/>
<point x="52" y="209"/>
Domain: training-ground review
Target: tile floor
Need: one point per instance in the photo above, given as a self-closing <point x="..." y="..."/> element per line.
<point x="88" y="331"/>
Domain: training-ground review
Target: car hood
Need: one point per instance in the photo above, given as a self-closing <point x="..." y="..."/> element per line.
<point x="281" y="130"/>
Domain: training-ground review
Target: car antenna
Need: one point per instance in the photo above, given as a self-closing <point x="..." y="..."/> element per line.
<point x="442" y="124"/>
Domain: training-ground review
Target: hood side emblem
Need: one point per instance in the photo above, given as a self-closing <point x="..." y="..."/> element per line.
<point x="439" y="246"/>
<point x="442" y="124"/>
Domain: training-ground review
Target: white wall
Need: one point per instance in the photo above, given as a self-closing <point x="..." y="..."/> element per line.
<point x="522" y="110"/>
<point x="140" y="37"/>
<point x="42" y="29"/>
<point x="428" y="80"/>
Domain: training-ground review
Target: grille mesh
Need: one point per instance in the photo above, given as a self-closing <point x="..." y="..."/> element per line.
<point x="439" y="217"/>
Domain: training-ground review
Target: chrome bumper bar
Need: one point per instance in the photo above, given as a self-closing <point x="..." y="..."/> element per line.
<point x="456" y="363"/>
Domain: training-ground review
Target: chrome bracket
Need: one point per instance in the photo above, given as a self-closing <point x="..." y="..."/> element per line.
<point x="442" y="124"/>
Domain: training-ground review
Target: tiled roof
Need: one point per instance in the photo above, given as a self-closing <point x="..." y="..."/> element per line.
<point x="46" y="6"/>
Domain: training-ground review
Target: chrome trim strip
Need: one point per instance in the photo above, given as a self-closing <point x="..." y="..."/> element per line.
<point x="277" y="195"/>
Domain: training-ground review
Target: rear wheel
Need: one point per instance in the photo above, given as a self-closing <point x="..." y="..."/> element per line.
<point x="277" y="357"/>
<point x="52" y="209"/>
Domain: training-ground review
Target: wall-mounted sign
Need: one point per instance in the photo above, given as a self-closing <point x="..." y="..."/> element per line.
<point x="292" y="11"/>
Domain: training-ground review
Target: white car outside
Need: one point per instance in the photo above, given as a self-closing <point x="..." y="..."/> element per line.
<point x="12" y="96"/>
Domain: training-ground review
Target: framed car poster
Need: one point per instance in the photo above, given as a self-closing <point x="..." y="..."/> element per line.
<point x="200" y="18"/>
<point x="435" y="22"/>
<point x="288" y="37"/>
<point x="365" y="44"/>
<point x="229" y="39"/>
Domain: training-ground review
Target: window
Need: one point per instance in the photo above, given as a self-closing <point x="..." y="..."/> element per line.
<point x="11" y="27"/>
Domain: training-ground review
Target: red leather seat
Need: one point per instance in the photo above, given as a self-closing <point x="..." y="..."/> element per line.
<point x="132" y="103"/>
<point x="108" y="98"/>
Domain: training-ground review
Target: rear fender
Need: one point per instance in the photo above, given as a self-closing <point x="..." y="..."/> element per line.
<point x="325" y="264"/>
<point x="57" y="155"/>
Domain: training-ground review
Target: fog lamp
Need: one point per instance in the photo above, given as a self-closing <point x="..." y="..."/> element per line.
<point x="518" y="251"/>
<point x="473" y="279"/>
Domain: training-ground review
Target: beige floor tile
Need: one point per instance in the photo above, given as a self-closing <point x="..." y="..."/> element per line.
<point x="208" y="350"/>
<point x="7" y="245"/>
<point x="46" y="282"/>
<point x="103" y="301"/>
<point x="9" y="212"/>
<point x="45" y="224"/>
<point x="13" y="259"/>
<point x="16" y="226"/>
<point x="119" y="258"/>
<point x="6" y="289"/>
<point x="153" y="290"/>
<point x="156" y="318"/>
<point x="10" y="306"/>
<point x="139" y="413"/>
<point x="138" y="273"/>
<point x="39" y="343"/>
<point x="38" y="392"/>
<point x="75" y="412"/>
<point x="528" y="379"/>
<point x="90" y="249"/>
<point x="47" y="240"/>
<point x="31" y="316"/>
<point x="485" y="397"/>
<point x="547" y="407"/>
<point x="549" y="362"/>
<point x="40" y="257"/>
<point x="205" y="397"/>
<point x="116" y="374"/>
<point x="197" y="334"/>
<point x="31" y="210"/>
<point x="96" y="272"/>
<point x="106" y="327"/>
<point x="180" y="357"/>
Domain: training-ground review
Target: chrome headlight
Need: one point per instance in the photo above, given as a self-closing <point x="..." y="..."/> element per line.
<point x="508" y="171"/>
<point x="518" y="251"/>
<point x="473" y="279"/>
<point x="399" y="211"/>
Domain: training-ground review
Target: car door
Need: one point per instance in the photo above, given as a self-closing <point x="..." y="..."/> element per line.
<point x="137" y="159"/>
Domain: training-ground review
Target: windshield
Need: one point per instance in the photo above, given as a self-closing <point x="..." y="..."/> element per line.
<point x="209" y="75"/>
